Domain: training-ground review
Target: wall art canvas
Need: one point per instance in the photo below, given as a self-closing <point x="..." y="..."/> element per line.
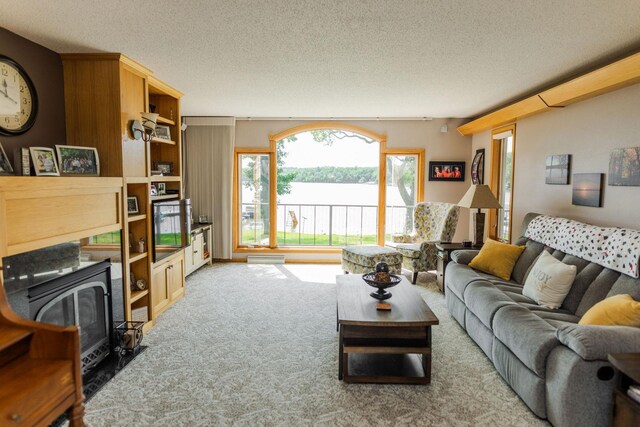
<point x="477" y="167"/>
<point x="446" y="171"/>
<point x="558" y="169"/>
<point x="587" y="189"/>
<point x="624" y="166"/>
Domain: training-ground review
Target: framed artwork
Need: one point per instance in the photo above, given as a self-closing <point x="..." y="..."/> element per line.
<point x="5" y="164"/>
<point x="624" y="167"/>
<point x="587" y="189"/>
<point x="163" y="132"/>
<point x="154" y="190"/>
<point x="78" y="161"/>
<point x="558" y="169"/>
<point x="44" y="161"/>
<point x="165" y="168"/>
<point x="132" y="205"/>
<point x="477" y="167"/>
<point x="162" y="189"/>
<point x="446" y="171"/>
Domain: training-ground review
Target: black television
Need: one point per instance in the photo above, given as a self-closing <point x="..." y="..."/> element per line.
<point x="171" y="227"/>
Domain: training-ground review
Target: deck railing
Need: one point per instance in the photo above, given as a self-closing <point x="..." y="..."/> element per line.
<point x="321" y="224"/>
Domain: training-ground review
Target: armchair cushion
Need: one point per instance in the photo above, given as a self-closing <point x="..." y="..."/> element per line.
<point x="596" y="342"/>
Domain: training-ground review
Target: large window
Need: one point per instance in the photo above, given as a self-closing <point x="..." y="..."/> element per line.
<point x="502" y="162"/>
<point x="325" y="184"/>
<point x="254" y="209"/>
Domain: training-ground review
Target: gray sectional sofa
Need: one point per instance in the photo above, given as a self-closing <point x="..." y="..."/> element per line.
<point x="557" y="367"/>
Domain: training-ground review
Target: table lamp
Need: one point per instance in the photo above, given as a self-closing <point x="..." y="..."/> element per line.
<point x="480" y="197"/>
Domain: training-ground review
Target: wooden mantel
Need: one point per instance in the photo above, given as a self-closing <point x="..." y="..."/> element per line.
<point x="36" y="212"/>
<point x="616" y="75"/>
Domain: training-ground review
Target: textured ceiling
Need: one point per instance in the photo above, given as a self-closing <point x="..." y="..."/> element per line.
<point x="329" y="58"/>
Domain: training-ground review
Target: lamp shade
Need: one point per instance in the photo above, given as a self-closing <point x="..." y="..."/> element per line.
<point x="481" y="197"/>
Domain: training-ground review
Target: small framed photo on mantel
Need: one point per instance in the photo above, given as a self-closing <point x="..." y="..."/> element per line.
<point x="44" y="161"/>
<point x="78" y="161"/>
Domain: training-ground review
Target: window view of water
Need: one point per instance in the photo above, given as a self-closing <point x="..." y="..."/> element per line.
<point x="327" y="192"/>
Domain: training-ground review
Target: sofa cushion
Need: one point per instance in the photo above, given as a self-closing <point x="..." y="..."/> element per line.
<point x="551" y="317"/>
<point x="497" y="258"/>
<point x="464" y="256"/>
<point x="583" y="281"/>
<point x="484" y="300"/>
<point x="618" y="310"/>
<point x="600" y="288"/>
<point x="531" y="252"/>
<point x="526" y="335"/>
<point x="458" y="277"/>
<point x="549" y="281"/>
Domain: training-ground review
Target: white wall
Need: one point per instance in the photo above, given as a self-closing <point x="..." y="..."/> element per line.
<point x="400" y="134"/>
<point x="587" y="130"/>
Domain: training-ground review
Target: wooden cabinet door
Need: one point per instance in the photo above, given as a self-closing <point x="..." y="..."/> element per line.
<point x="159" y="290"/>
<point x="175" y="274"/>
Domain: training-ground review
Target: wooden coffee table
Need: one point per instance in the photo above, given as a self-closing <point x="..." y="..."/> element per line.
<point x="383" y="346"/>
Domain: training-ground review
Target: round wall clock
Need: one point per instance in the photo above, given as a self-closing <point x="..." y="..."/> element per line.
<point x="18" y="99"/>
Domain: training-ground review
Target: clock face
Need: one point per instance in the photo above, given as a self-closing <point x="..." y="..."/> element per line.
<point x="18" y="101"/>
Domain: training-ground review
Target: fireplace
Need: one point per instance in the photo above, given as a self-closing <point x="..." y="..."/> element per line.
<point x="81" y="298"/>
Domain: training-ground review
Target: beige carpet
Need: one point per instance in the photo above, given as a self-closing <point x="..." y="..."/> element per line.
<point x="257" y="345"/>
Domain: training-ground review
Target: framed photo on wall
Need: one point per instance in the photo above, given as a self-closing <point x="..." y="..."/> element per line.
<point x="44" y="161"/>
<point x="446" y="171"/>
<point x="477" y="167"/>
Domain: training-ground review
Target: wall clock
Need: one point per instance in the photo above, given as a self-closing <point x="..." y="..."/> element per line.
<point x="18" y="99"/>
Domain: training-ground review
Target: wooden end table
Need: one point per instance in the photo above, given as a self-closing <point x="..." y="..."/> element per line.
<point x="626" y="411"/>
<point x="383" y="347"/>
<point x="444" y="256"/>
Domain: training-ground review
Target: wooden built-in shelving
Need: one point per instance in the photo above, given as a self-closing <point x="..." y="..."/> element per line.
<point x="99" y="113"/>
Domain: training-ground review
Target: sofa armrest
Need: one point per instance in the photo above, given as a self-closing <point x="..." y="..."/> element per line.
<point x="596" y="342"/>
<point x="464" y="256"/>
<point x="403" y="238"/>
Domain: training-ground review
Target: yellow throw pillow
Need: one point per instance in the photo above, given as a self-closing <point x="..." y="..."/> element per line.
<point x="618" y="310"/>
<point x="497" y="258"/>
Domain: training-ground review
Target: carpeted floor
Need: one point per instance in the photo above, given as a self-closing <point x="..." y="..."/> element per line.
<point x="257" y="345"/>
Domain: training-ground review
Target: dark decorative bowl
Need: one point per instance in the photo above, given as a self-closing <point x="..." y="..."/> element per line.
<point x="381" y="294"/>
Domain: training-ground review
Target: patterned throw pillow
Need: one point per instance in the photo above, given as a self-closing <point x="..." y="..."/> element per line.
<point x="549" y="281"/>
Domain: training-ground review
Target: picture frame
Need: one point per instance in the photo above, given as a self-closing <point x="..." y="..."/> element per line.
<point x="163" y="132"/>
<point x="587" y="189"/>
<point x="153" y="191"/>
<point x="162" y="188"/>
<point x="5" y="164"/>
<point x="132" y="205"/>
<point x="477" y="167"/>
<point x="165" y="168"/>
<point x="78" y="161"/>
<point x="44" y="161"/>
<point x="624" y="167"/>
<point x="446" y="171"/>
<point x="558" y="169"/>
<point x="25" y="162"/>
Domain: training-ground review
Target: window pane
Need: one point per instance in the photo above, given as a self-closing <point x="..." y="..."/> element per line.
<point x="402" y="185"/>
<point x="254" y="199"/>
<point x="506" y="169"/>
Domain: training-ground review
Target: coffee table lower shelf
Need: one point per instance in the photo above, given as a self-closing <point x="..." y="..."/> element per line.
<point x="381" y="360"/>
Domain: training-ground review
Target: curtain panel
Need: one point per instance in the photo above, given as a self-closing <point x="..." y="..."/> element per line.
<point x="208" y="143"/>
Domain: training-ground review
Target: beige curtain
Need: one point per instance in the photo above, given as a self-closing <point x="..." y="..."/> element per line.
<point x="209" y="175"/>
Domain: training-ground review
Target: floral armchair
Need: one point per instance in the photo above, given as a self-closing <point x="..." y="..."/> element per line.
<point x="433" y="222"/>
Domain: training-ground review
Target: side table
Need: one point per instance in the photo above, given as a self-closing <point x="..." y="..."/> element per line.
<point x="444" y="256"/>
<point x="626" y="411"/>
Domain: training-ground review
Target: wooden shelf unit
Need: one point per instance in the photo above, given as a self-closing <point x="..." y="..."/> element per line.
<point x="104" y="93"/>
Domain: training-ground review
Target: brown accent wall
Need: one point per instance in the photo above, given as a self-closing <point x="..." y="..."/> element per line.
<point x="44" y="66"/>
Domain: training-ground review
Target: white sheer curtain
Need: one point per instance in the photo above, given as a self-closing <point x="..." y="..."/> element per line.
<point x="209" y="175"/>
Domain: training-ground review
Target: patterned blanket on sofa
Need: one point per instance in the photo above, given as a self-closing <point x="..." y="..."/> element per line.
<point x="611" y="247"/>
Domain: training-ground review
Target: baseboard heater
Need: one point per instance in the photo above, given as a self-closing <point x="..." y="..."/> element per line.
<point x="265" y="259"/>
